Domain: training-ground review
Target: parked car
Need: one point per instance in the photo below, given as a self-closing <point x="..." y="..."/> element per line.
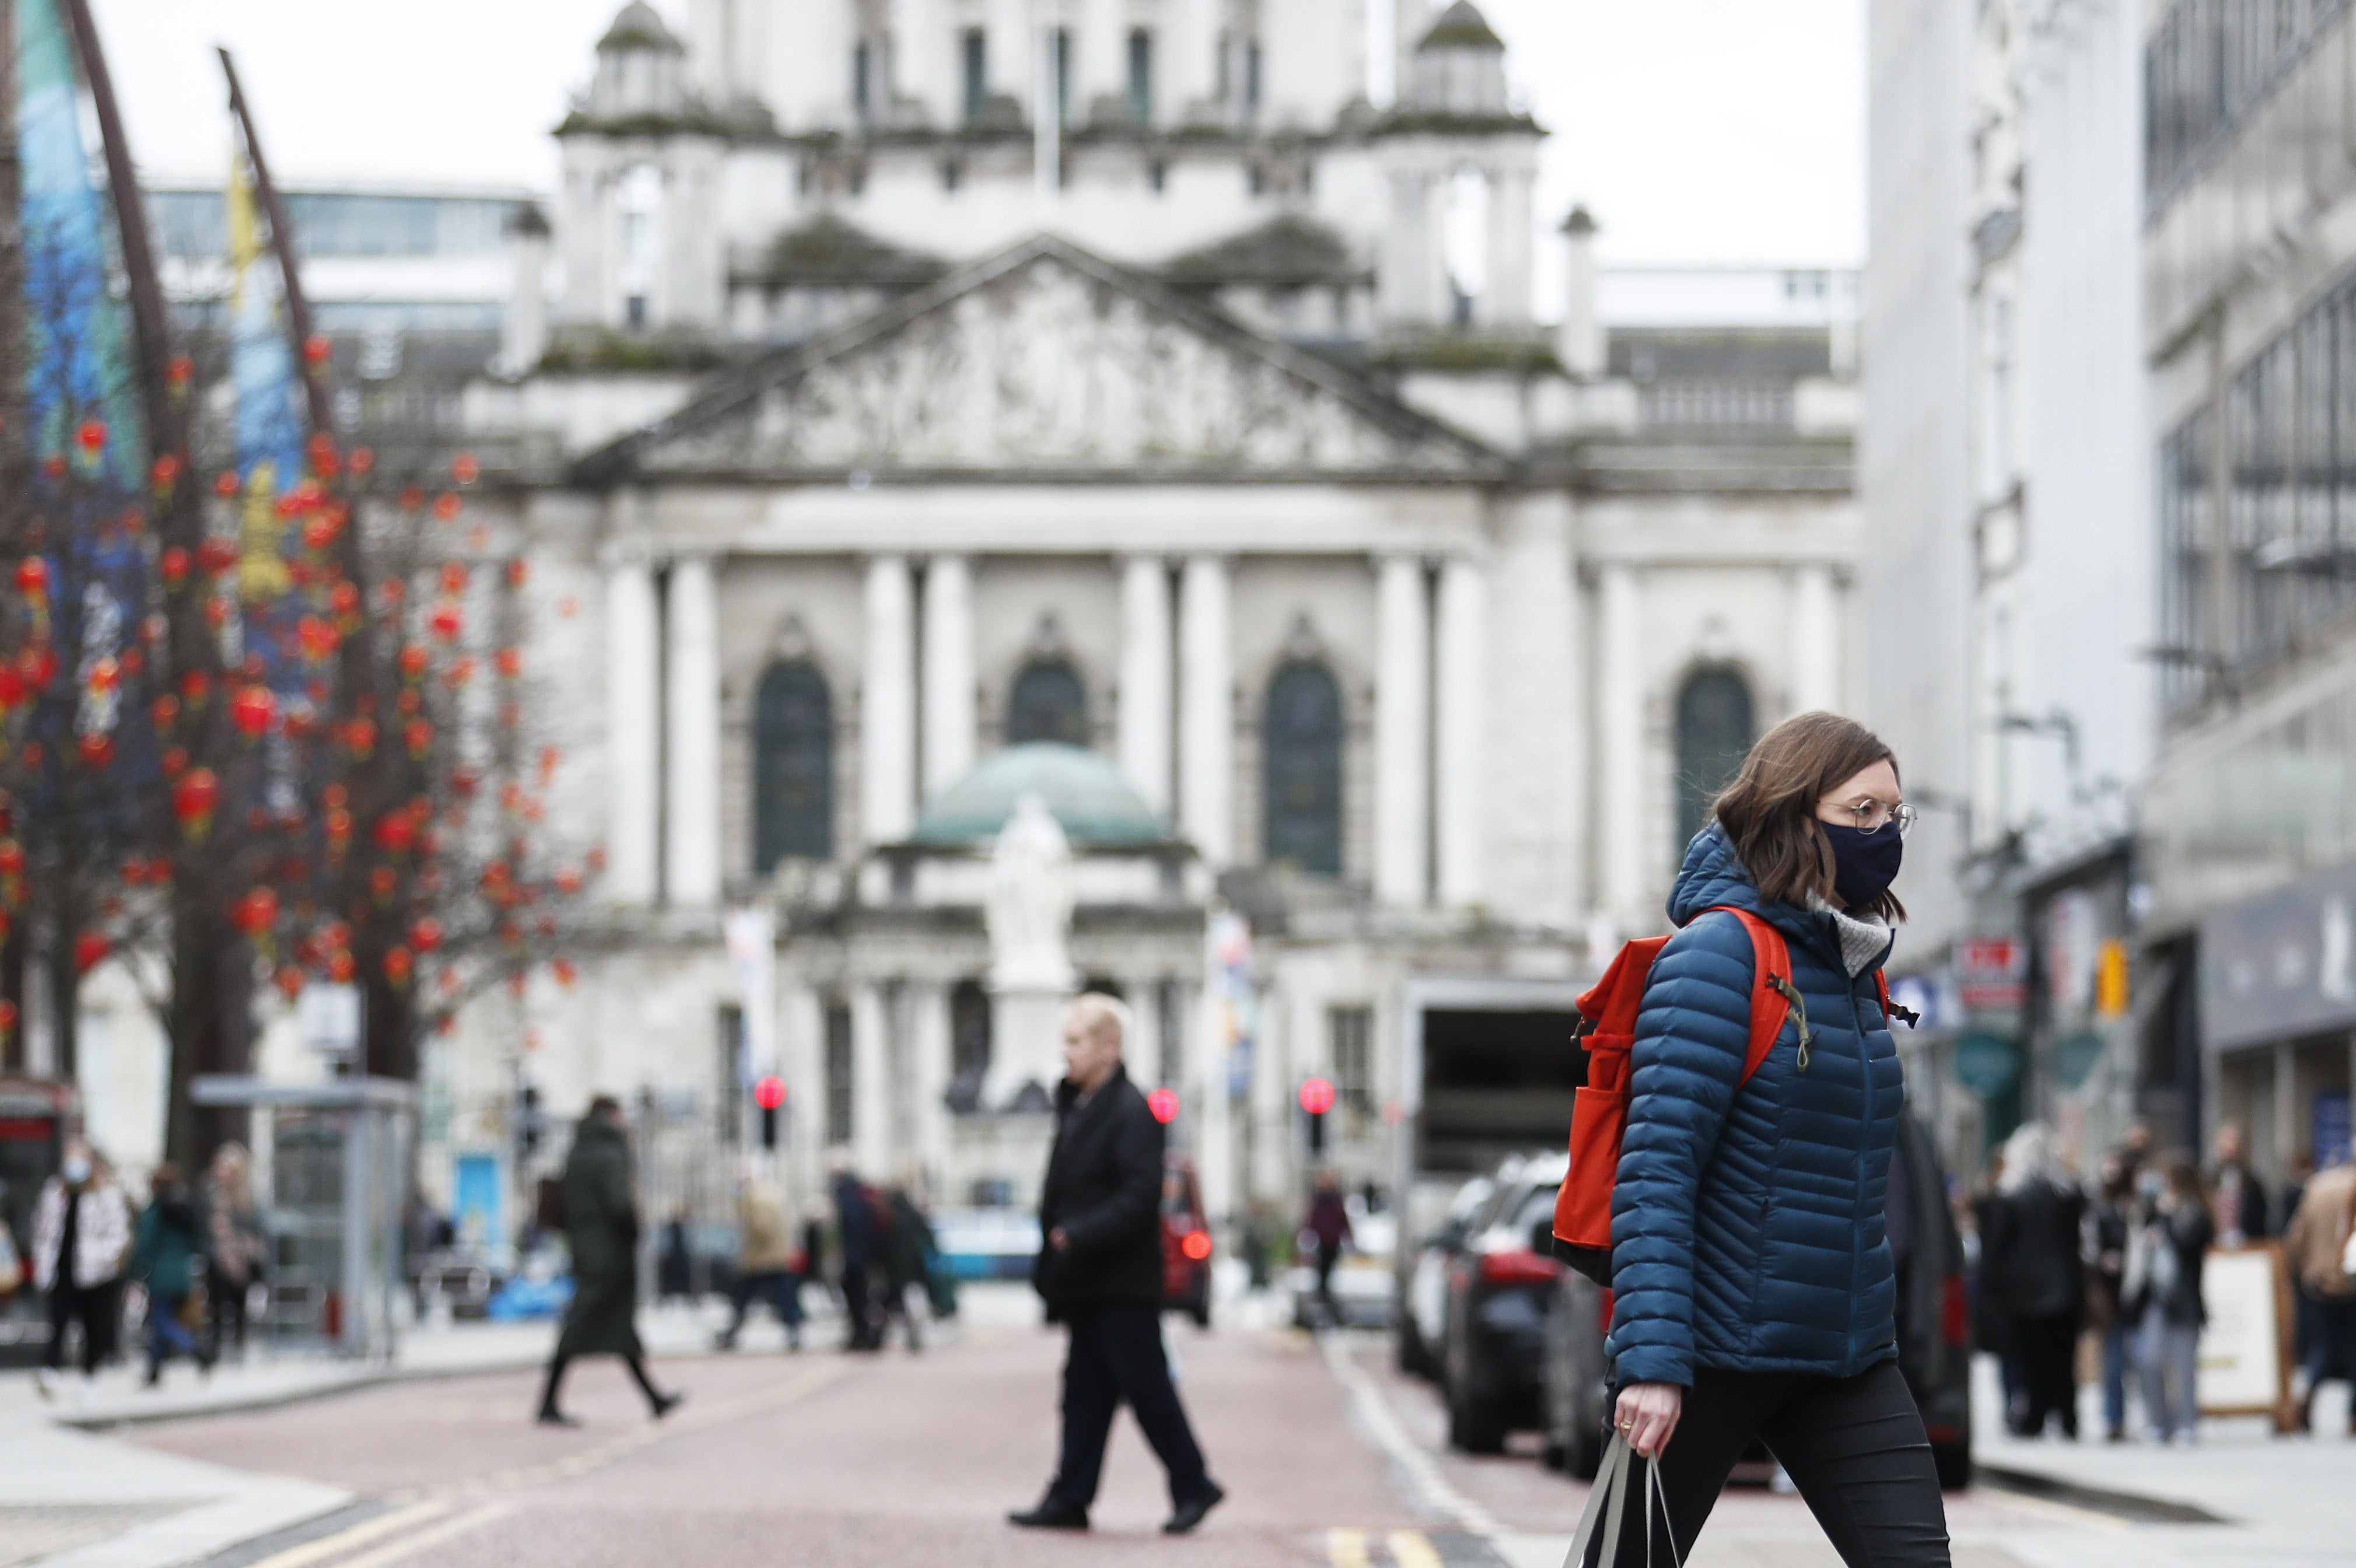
<point x="1185" y="1242"/>
<point x="1933" y="1351"/>
<point x="1424" y="1314"/>
<point x="1500" y="1288"/>
<point x="1365" y="1279"/>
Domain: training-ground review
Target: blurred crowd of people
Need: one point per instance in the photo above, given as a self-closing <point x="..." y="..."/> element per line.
<point x="2119" y="1262"/>
<point x="183" y="1267"/>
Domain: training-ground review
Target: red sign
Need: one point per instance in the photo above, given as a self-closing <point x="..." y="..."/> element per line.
<point x="1163" y="1103"/>
<point x="1316" y="1096"/>
<point x="1988" y="973"/>
<point x="769" y="1092"/>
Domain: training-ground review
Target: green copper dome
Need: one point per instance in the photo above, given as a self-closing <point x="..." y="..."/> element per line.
<point x="1085" y="793"/>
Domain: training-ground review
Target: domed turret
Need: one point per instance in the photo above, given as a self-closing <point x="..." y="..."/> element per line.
<point x="1460" y="67"/>
<point x="1085" y="793"/>
<point x="641" y="66"/>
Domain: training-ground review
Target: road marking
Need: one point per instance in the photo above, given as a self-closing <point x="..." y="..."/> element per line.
<point x="1382" y="1422"/>
<point x="360" y="1535"/>
<point x="1410" y="1548"/>
<point x="2050" y="1507"/>
<point x="431" y="1535"/>
<point x="1347" y="1547"/>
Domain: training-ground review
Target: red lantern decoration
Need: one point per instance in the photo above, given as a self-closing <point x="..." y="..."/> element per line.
<point x="382" y="883"/>
<point x="445" y="507"/>
<point x="340" y="968"/>
<point x="91" y="439"/>
<point x="289" y="981"/>
<point x="418" y="735"/>
<point x="7" y="1017"/>
<point x="33" y="579"/>
<point x="179" y="371"/>
<point x="318" y="531"/>
<point x="195" y="796"/>
<point x="426" y="934"/>
<point x="225" y="483"/>
<point x="12" y="687"/>
<point x="362" y="459"/>
<point x="40" y="664"/>
<point x="216" y="555"/>
<point x="96" y="750"/>
<point x="519" y="571"/>
<point x="465" y="470"/>
<point x="398" y="964"/>
<point x="90" y="951"/>
<point x="344" y="599"/>
<point x="173" y="564"/>
<point x="165" y="473"/>
<point x="568" y="880"/>
<point x="453" y="576"/>
<point x="445" y="622"/>
<point x="339" y="831"/>
<point x="412" y="498"/>
<point x="251" y="709"/>
<point x="508" y="662"/>
<point x="164" y="710"/>
<point x="359" y="737"/>
<point x="174" y="761"/>
<point x="394" y="832"/>
<point x="195" y="686"/>
<point x="413" y="661"/>
<point x="12" y="858"/>
<point x="316" y="348"/>
<point x="255" y="912"/>
<point x="564" y="971"/>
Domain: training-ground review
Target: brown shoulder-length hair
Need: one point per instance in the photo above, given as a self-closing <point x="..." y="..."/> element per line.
<point x="1769" y="812"/>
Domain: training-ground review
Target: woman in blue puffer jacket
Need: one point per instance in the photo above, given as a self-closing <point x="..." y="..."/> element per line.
<point x="1753" y="1288"/>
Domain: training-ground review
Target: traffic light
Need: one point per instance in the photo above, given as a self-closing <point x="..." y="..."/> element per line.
<point x="1316" y="1099"/>
<point x="1163" y="1103"/>
<point x="769" y="1094"/>
<point x="528" y="1122"/>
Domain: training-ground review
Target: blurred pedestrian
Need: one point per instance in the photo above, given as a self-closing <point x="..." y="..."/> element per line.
<point x="908" y="1248"/>
<point x="2107" y="1222"/>
<point x="166" y="1256"/>
<point x="2162" y="1288"/>
<point x="675" y="1259"/>
<point x="858" y="1250"/>
<point x="1326" y="1229"/>
<point x="1991" y="1312"/>
<point x="1099" y="1271"/>
<point x="81" y="1237"/>
<point x="601" y="1218"/>
<point x="2237" y="1199"/>
<point x="2034" y="1257"/>
<point x="1254" y="1244"/>
<point x="2320" y="1246"/>
<point x="766" y="1267"/>
<point x="236" y="1248"/>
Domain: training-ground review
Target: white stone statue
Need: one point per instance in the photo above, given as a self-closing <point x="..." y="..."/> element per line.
<point x="1029" y="914"/>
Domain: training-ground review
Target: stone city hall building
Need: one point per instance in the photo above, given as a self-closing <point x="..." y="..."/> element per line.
<point x="946" y="404"/>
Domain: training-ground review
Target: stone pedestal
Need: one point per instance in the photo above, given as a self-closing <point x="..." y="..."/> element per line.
<point x="1026" y="1043"/>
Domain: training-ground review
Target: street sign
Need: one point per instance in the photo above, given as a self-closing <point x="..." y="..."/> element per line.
<point x="329" y="1016"/>
<point x="1986" y="1064"/>
<point x="2074" y="1058"/>
<point x="1988" y="973"/>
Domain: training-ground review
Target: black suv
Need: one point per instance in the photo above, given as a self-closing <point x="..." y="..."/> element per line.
<point x="1499" y="1288"/>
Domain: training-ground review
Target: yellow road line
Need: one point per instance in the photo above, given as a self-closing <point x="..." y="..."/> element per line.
<point x="1410" y="1549"/>
<point x="360" y="1535"/>
<point x="433" y="1535"/>
<point x="1347" y="1547"/>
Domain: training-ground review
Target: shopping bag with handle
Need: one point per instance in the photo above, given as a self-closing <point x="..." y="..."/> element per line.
<point x="1607" y="1501"/>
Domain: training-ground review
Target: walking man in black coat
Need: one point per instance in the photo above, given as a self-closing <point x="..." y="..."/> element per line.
<point x="601" y="1219"/>
<point x="1099" y="1271"/>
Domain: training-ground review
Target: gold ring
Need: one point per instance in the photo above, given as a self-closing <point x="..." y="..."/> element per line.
<point x="1627" y="1426"/>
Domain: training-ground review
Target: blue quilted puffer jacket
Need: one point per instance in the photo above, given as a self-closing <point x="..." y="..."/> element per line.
<point x="1747" y="1227"/>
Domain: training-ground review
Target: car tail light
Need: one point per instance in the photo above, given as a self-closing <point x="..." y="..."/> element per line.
<point x="1943" y="1433"/>
<point x="1517" y="1266"/>
<point x="1955" y="1323"/>
<point x="1604" y="1311"/>
<point x="1197" y="1245"/>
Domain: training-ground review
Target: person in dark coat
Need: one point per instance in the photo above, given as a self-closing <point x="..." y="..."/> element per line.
<point x="600" y="1218"/>
<point x="2237" y="1198"/>
<point x="2166" y="1251"/>
<point x="2035" y="1260"/>
<point x="1326" y="1227"/>
<point x="1099" y="1271"/>
<point x="858" y="1250"/>
<point x="2107" y="1222"/>
<point x="908" y="1248"/>
<point x="166" y="1258"/>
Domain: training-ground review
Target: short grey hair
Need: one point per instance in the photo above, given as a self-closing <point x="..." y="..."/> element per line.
<point x="1099" y="1010"/>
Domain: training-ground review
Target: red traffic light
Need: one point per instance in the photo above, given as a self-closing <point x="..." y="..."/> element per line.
<point x="1163" y="1103"/>
<point x="1316" y="1096"/>
<point x="769" y="1092"/>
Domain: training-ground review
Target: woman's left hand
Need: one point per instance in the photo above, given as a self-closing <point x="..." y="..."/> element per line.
<point x="1647" y="1415"/>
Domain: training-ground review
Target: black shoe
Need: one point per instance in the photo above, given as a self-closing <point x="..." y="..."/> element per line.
<point x="665" y="1404"/>
<point x="1053" y="1513"/>
<point x="1190" y="1512"/>
<point x="551" y="1416"/>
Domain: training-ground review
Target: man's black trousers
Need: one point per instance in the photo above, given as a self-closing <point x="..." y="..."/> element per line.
<point x="1116" y="1357"/>
<point x="1854" y="1446"/>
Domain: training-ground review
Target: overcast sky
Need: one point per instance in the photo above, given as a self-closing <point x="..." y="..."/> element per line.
<point x="1699" y="131"/>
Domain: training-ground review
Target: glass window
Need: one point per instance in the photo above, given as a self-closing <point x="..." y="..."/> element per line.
<point x="840" y="1107"/>
<point x="1353" y="1038"/>
<point x="1061" y="46"/>
<point x="1715" y="729"/>
<point x="975" y="53"/>
<point x="969" y="1045"/>
<point x="1048" y="702"/>
<point x="1140" y="77"/>
<point x="1301" y="768"/>
<point x="793" y="766"/>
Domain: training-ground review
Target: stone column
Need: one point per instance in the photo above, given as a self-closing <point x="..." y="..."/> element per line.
<point x="887" y="706"/>
<point x="692" y="773"/>
<point x="1188" y="69"/>
<point x="1408" y="283"/>
<point x="1508" y="301"/>
<point x="1578" y="342"/>
<point x="1816" y="639"/>
<point x="1206" y="718"/>
<point x="1620" y="742"/>
<point x="633" y="733"/>
<point x="1145" y="678"/>
<point x="1460" y="718"/>
<point x="1402" y="733"/>
<point x="949" y="672"/>
<point x="930" y="1045"/>
<point x="871" y="1093"/>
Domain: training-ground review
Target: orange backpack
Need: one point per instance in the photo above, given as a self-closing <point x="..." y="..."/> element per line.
<point x="1598" y="1116"/>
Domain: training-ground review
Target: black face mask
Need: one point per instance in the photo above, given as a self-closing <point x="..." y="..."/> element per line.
<point x="1864" y="865"/>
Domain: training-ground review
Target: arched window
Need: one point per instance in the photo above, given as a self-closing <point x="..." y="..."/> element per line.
<point x="1301" y="768"/>
<point x="793" y="766"/>
<point x="1048" y="702"/>
<point x="1714" y="732"/>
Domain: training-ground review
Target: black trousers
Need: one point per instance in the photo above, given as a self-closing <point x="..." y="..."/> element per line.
<point x="1116" y="1357"/>
<point x="95" y="1309"/>
<point x="2048" y="1370"/>
<point x="859" y="1309"/>
<point x="1854" y="1446"/>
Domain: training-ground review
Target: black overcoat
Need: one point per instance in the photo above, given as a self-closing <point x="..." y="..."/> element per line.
<point x="1104" y="1191"/>
<point x="601" y="1217"/>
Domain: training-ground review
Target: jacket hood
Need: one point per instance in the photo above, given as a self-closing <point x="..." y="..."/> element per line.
<point x="1714" y="876"/>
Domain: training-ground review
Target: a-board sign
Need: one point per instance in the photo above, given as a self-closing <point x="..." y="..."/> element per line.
<point x="2245" y="1347"/>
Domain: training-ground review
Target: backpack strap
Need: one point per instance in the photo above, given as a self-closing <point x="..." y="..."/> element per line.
<point x="1774" y="1000"/>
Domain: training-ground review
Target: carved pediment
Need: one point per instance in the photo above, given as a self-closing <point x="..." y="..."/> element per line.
<point x="1045" y="360"/>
